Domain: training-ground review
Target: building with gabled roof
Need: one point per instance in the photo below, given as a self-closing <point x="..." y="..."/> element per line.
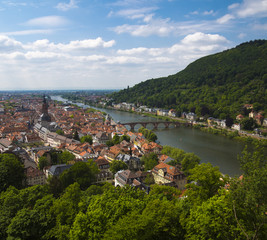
<point x="124" y="177"/>
<point x="35" y="176"/>
<point x="166" y="174"/>
<point x="56" y="170"/>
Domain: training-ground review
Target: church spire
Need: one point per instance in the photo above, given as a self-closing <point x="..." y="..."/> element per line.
<point x="45" y="116"/>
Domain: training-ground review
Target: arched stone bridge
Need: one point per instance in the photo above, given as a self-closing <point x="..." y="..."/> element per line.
<point x="155" y="124"/>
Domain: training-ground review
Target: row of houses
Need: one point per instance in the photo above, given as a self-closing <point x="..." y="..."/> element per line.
<point x="162" y="173"/>
<point x="70" y="119"/>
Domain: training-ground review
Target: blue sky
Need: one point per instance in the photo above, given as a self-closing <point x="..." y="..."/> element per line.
<point x="105" y="44"/>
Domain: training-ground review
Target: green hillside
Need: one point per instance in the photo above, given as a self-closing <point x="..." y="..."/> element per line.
<point x="221" y="83"/>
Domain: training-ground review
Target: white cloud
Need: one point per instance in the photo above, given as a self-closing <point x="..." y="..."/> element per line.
<point x="166" y="27"/>
<point x="242" y="35"/>
<point x="252" y="8"/>
<point x="14" y="4"/>
<point x="126" y="3"/>
<point x="160" y="27"/>
<point x="8" y="44"/>
<point x="124" y="60"/>
<point x="43" y="64"/>
<point x="199" y="44"/>
<point x="67" y="6"/>
<point x="48" y="21"/>
<point x="44" y="44"/>
<point x="28" y="32"/>
<point x="202" y="38"/>
<point x="90" y="43"/>
<point x="138" y="13"/>
<point x="194" y="13"/>
<point x="34" y="55"/>
<point x="141" y="50"/>
<point x="191" y="47"/>
<point x="233" y="6"/>
<point x="225" y="19"/>
<point x="211" y="12"/>
<point x="260" y="27"/>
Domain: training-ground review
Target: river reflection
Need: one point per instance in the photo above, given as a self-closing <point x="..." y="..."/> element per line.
<point x="218" y="150"/>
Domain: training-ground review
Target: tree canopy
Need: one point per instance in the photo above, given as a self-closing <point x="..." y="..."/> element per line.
<point x="11" y="172"/>
<point x="84" y="173"/>
<point x="149" y="135"/>
<point x="212" y="206"/>
<point x="87" y="138"/>
<point x="150" y="160"/>
<point x="117" y="165"/>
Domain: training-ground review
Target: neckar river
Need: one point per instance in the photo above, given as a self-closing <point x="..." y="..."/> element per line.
<point x="218" y="150"/>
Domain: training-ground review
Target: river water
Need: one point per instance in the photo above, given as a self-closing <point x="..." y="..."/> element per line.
<point x="218" y="150"/>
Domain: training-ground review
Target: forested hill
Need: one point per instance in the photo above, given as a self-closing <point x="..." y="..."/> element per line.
<point x="222" y="82"/>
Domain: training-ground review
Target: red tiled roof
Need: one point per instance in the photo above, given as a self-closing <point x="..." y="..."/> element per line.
<point x="168" y="168"/>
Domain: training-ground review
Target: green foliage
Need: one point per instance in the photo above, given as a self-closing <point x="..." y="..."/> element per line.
<point x="149" y="179"/>
<point x="149" y="135"/>
<point x="13" y="219"/>
<point x="60" y="132"/>
<point x="76" y="136"/>
<point x="65" y="157"/>
<point x="104" y="211"/>
<point x="149" y="160"/>
<point x="214" y="219"/>
<point x="189" y="161"/>
<point x="208" y="210"/>
<point x="55" y="186"/>
<point x="11" y="172"/>
<point x="64" y="211"/>
<point x="229" y="80"/>
<point x="229" y="121"/>
<point x="125" y="137"/>
<point x="81" y="172"/>
<point x="87" y="138"/>
<point x="164" y="192"/>
<point x="248" y="124"/>
<point x="117" y="165"/>
<point x="90" y="110"/>
<point x="43" y="162"/>
<point x="109" y="143"/>
<point x="24" y="225"/>
<point x="116" y="140"/>
<point x="159" y="220"/>
<point x="249" y="194"/>
<point x="175" y="153"/>
<point x="206" y="181"/>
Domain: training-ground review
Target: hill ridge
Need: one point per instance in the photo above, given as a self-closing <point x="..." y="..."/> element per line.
<point x="223" y="82"/>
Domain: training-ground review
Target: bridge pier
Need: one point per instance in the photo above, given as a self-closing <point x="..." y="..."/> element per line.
<point x="144" y="125"/>
<point x="132" y="125"/>
<point x="166" y="125"/>
<point x="155" y="125"/>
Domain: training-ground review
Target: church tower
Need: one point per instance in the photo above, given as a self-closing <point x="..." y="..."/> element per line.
<point x="45" y="116"/>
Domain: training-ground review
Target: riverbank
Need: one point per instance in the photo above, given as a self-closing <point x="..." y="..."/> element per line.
<point x="241" y="136"/>
<point x="218" y="150"/>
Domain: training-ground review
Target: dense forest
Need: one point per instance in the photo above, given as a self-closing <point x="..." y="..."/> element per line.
<point x="212" y="207"/>
<point x="220" y="84"/>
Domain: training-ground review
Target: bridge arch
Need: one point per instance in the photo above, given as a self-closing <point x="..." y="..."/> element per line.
<point x="155" y="124"/>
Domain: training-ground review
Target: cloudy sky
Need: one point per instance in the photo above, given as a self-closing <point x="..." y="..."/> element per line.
<point x="106" y="44"/>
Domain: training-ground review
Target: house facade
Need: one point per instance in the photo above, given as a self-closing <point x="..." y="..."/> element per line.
<point x="35" y="176"/>
<point x="166" y="174"/>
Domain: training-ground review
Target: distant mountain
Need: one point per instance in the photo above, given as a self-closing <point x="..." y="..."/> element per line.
<point x="216" y="85"/>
